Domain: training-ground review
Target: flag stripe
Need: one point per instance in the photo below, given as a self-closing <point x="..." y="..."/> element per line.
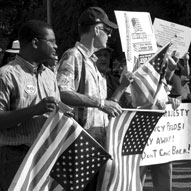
<point x="141" y="93"/>
<point x="41" y="168"/>
<point x="135" y="180"/>
<point x="58" y="144"/>
<point x="46" y="159"/>
<point x="63" y="145"/>
<point x="115" y="134"/>
<point x="148" y="77"/>
<point x="117" y="181"/>
<point x="22" y="179"/>
<point x="19" y="179"/>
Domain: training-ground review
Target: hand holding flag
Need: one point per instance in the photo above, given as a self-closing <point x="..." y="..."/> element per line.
<point x="148" y="77"/>
<point x="64" y="150"/>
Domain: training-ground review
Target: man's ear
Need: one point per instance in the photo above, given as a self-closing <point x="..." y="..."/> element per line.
<point x="35" y="42"/>
<point x="96" y="30"/>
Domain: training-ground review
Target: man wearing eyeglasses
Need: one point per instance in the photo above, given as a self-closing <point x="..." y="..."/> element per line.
<point x="79" y="79"/>
<point x="28" y="91"/>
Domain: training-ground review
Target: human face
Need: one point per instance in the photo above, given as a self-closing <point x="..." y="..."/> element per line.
<point x="48" y="46"/>
<point x="103" y="33"/>
<point x="103" y="61"/>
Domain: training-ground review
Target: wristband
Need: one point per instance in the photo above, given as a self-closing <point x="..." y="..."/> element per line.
<point x="114" y="100"/>
<point x="102" y="104"/>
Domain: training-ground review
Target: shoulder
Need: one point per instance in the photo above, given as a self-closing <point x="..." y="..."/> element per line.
<point x="9" y="69"/>
<point x="70" y="61"/>
<point x="71" y="54"/>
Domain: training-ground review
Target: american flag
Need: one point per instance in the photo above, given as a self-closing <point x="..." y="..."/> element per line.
<point x="148" y="77"/>
<point x="79" y="163"/>
<point x="126" y="139"/>
<point x="61" y="151"/>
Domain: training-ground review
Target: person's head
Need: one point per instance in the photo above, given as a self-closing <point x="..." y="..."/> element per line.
<point x="15" y="47"/>
<point x="11" y="52"/>
<point x="94" y="21"/>
<point x="37" y="40"/>
<point x="104" y="59"/>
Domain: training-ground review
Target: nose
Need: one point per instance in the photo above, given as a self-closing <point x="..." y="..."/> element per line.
<point x="55" y="46"/>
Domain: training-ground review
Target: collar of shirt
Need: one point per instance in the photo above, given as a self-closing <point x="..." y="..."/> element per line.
<point x="86" y="53"/>
<point x="34" y="69"/>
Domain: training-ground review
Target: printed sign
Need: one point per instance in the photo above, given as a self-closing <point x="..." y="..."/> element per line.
<point x="137" y="37"/>
<point x="171" y="138"/>
<point x="166" y="31"/>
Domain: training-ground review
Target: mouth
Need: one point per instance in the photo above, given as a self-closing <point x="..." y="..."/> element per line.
<point x="54" y="56"/>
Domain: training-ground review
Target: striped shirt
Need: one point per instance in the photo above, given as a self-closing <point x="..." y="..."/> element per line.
<point x="22" y="85"/>
<point x="69" y="75"/>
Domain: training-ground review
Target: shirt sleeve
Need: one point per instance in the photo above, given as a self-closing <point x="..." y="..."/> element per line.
<point x="5" y="93"/>
<point x="68" y="72"/>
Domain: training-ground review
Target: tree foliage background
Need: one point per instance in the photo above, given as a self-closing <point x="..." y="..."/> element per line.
<point x="65" y="14"/>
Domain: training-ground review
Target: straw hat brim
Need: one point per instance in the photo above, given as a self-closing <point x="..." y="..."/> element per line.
<point x="12" y="51"/>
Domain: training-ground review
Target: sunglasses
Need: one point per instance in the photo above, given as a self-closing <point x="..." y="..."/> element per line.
<point x="108" y="31"/>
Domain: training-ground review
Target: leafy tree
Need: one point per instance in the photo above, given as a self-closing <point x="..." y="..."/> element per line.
<point x="65" y="14"/>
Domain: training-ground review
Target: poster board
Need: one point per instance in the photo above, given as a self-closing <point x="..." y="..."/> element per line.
<point x="166" y="31"/>
<point x="137" y="36"/>
<point x="171" y="138"/>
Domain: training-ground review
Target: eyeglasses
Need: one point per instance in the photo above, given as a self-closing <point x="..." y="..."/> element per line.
<point x="52" y="41"/>
<point x="108" y="31"/>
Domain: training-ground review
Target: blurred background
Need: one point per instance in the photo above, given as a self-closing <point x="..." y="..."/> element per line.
<point x="63" y="16"/>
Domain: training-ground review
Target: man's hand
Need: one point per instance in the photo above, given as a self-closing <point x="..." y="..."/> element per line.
<point x="112" y="108"/>
<point x="45" y="105"/>
<point x="127" y="78"/>
<point x="175" y="102"/>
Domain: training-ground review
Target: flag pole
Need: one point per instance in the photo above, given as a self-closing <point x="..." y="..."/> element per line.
<point x="160" y="83"/>
<point x="143" y="110"/>
<point x="49" y="12"/>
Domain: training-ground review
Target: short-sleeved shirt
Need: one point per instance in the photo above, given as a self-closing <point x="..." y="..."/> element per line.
<point x="69" y="76"/>
<point x="21" y="86"/>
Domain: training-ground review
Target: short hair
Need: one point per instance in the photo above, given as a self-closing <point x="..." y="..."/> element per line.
<point x="32" y="29"/>
<point x="82" y="29"/>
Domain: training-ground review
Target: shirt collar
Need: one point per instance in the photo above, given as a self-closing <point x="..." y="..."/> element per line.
<point x="86" y="53"/>
<point x="34" y="69"/>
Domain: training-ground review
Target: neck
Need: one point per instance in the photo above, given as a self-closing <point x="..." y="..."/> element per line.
<point x="88" y="42"/>
<point x="29" y="57"/>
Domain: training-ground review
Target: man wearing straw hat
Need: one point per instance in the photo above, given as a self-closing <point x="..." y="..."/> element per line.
<point x="10" y="53"/>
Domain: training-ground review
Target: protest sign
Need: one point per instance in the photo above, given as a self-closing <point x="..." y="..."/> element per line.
<point x="137" y="36"/>
<point x="166" y="31"/>
<point x="171" y="138"/>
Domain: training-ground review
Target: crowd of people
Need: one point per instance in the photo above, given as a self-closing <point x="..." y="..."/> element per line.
<point x="85" y="78"/>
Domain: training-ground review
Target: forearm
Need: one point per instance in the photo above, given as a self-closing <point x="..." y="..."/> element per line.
<point x="118" y="93"/>
<point x="73" y="98"/>
<point x="184" y="67"/>
<point x="9" y="119"/>
<point x="169" y="75"/>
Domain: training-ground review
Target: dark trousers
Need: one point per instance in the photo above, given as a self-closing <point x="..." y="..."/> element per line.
<point x="99" y="134"/>
<point x="161" y="176"/>
<point x="91" y="186"/>
<point x="10" y="159"/>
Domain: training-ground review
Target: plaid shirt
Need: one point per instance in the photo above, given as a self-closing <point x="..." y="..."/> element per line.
<point x="21" y="86"/>
<point x="68" y="77"/>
